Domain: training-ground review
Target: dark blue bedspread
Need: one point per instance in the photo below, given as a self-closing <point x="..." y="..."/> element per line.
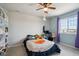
<point x="52" y="50"/>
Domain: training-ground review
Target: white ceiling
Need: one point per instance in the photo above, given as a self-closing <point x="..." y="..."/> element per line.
<point x="30" y="8"/>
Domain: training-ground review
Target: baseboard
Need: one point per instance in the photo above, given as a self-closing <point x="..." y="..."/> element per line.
<point x="18" y="43"/>
<point x="68" y="45"/>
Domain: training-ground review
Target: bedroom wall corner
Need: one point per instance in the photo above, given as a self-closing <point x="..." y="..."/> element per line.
<point x="21" y="25"/>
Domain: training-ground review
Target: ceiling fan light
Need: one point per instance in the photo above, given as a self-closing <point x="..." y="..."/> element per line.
<point x="45" y="9"/>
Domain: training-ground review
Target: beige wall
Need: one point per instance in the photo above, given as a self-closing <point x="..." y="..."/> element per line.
<point x="21" y="25"/>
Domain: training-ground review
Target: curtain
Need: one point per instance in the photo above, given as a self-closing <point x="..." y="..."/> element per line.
<point x="58" y="35"/>
<point x="77" y="35"/>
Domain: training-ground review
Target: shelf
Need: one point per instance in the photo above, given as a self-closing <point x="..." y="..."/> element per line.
<point x="1" y="48"/>
<point x="3" y="31"/>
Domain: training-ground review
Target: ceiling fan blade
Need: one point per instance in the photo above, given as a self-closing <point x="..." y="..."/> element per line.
<point x="52" y="7"/>
<point x="49" y="4"/>
<point x="39" y="8"/>
<point x="41" y="4"/>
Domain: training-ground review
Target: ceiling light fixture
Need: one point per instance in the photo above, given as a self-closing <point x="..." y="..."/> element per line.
<point x="44" y="18"/>
<point x="45" y="9"/>
<point x="46" y="6"/>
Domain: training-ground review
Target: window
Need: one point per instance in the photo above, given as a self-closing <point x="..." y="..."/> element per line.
<point x="68" y="24"/>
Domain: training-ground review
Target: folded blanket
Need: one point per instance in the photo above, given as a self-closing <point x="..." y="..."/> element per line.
<point x="39" y="41"/>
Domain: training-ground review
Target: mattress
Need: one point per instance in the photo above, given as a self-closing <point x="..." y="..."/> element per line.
<point x="39" y="47"/>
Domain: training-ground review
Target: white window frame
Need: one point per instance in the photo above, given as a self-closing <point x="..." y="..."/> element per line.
<point x="67" y="29"/>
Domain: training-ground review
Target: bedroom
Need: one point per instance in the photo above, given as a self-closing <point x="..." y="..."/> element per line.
<point x="24" y="19"/>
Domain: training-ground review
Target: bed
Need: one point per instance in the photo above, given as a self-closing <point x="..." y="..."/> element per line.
<point x="44" y="48"/>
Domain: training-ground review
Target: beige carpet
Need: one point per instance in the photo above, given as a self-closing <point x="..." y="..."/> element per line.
<point x="16" y="51"/>
<point x="20" y="51"/>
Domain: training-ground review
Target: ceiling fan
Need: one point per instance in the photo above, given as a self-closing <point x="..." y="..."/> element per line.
<point x="46" y="6"/>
